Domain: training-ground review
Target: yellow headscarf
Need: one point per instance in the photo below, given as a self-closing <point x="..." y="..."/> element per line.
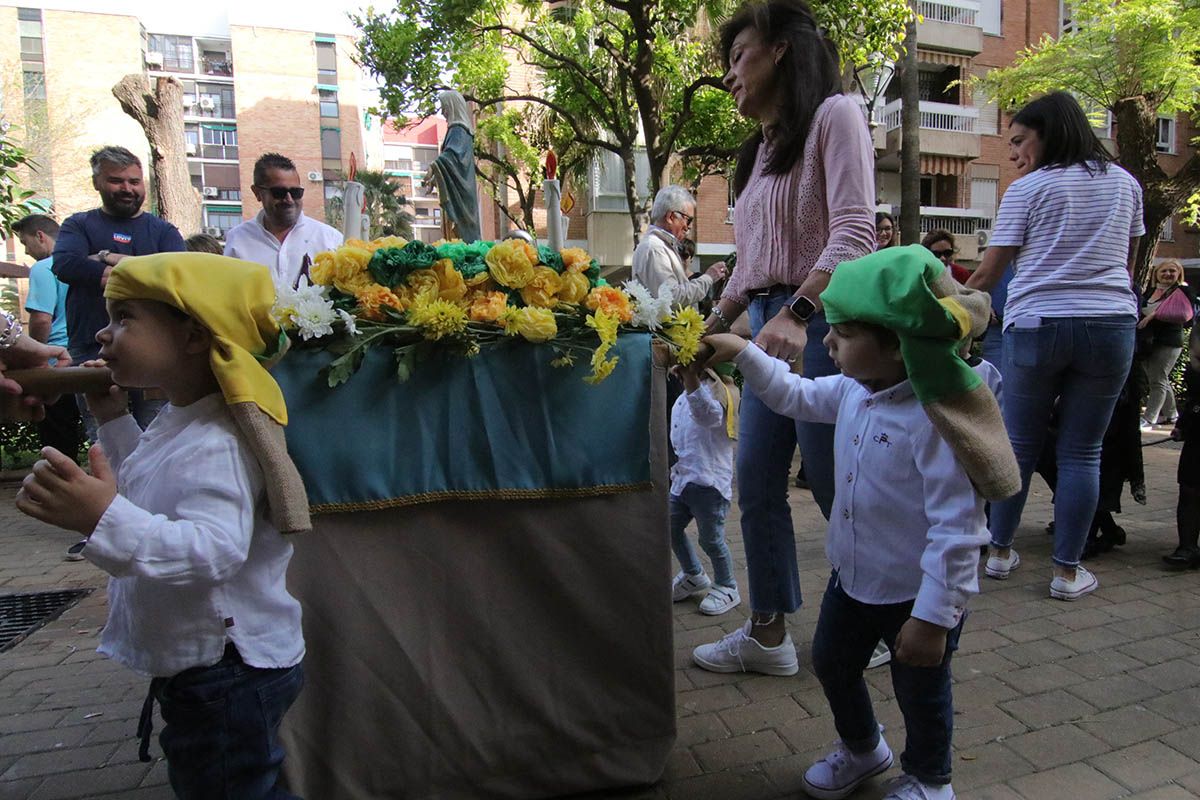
<point x="232" y="299"/>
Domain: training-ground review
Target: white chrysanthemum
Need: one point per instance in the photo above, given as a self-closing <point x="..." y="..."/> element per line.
<point x="305" y="308"/>
<point x="649" y="311"/>
<point x="348" y="319"/>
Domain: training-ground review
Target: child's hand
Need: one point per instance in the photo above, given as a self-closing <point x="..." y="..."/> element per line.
<point x="106" y="406"/>
<point x="689" y="376"/>
<point x="60" y="493"/>
<point x="722" y="347"/>
<point x="921" y="643"/>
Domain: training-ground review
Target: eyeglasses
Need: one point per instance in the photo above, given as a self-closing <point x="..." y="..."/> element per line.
<point x="688" y="217"/>
<point x="280" y="192"/>
<point x="945" y="255"/>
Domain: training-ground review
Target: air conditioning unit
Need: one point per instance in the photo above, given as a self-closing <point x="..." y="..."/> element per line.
<point x="982" y="237"/>
<point x="211" y="191"/>
<point x="190" y="148"/>
<point x="188" y="103"/>
<point x="315" y="176"/>
<point x="154" y="60"/>
<point x="207" y="103"/>
<point x="213" y="230"/>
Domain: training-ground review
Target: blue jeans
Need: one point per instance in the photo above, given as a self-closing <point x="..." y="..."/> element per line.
<point x="766" y="443"/>
<point x="708" y="507"/>
<point x="221" y="734"/>
<point x="993" y="346"/>
<point x="847" y="632"/>
<point x="1081" y="362"/>
<point x="144" y="411"/>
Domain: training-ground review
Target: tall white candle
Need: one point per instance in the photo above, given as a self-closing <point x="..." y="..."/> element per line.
<point x="554" y="216"/>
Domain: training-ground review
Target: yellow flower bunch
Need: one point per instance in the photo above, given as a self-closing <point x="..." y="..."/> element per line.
<point x="373" y="297"/>
<point x="610" y="300"/>
<point x="451" y="285"/>
<point x="605" y="325"/>
<point x="435" y="317"/>
<point x="685" y="329"/>
<point x="534" y="324"/>
<point x="542" y="289"/>
<point x="574" y="287"/>
<point x="488" y="307"/>
<point x="575" y="259"/>
<point x="511" y="263"/>
<point x="422" y="282"/>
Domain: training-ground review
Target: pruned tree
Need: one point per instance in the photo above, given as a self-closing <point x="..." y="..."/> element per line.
<point x="1136" y="59"/>
<point x="159" y="110"/>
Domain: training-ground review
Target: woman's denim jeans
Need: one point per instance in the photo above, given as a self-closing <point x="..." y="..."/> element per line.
<point x="708" y="507"/>
<point x="766" y="443"/>
<point x="1081" y="362"/>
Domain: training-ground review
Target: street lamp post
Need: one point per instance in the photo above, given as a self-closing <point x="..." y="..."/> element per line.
<point x="872" y="79"/>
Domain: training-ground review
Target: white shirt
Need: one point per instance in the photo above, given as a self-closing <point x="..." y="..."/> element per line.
<point x="907" y="524"/>
<point x="701" y="442"/>
<point x="1072" y="229"/>
<point x="253" y="242"/>
<point x="656" y="262"/>
<point x="194" y="558"/>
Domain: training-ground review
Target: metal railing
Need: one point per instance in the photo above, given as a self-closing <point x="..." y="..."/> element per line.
<point x="954" y="12"/>
<point x="959" y="221"/>
<point x="934" y="116"/>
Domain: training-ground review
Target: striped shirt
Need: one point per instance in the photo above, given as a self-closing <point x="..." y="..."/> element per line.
<point x="815" y="216"/>
<point x="1072" y="229"/>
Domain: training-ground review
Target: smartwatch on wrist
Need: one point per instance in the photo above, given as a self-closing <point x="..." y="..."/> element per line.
<point x="802" y="308"/>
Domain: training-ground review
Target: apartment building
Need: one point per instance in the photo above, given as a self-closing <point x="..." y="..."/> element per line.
<point x="254" y="81"/>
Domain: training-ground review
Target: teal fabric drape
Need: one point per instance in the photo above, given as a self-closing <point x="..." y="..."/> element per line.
<point x="503" y="425"/>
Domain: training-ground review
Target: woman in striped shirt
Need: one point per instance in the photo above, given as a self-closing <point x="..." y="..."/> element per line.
<point x="1070" y="224"/>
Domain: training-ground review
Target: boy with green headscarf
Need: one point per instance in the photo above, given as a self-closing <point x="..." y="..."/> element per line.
<point x="919" y="445"/>
<point x="188" y="516"/>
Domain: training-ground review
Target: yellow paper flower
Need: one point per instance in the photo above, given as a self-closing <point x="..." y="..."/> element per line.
<point x="322" y="269"/>
<point x="488" y="307"/>
<point x="610" y="300"/>
<point x="511" y="263"/>
<point x="481" y="281"/>
<point x="451" y="285"/>
<point x="350" y="269"/>
<point x="372" y="298"/>
<point x="605" y="325"/>
<point x="574" y="287"/>
<point x="685" y="328"/>
<point x="542" y="289"/>
<point x="534" y="324"/>
<point x="435" y="317"/>
<point x="575" y="259"/>
<point x="386" y="241"/>
<point x="423" y="282"/>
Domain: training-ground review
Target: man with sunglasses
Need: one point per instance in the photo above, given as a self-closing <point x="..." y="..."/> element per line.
<point x="656" y="260"/>
<point x="280" y="236"/>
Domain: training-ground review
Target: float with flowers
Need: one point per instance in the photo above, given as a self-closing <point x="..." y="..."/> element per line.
<point x="453" y="299"/>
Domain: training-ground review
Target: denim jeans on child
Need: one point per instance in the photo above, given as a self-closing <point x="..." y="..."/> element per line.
<point x="708" y="507"/>
<point x="847" y="632"/>
<point x="766" y="443"/>
<point x="1081" y="362"/>
<point x="221" y="734"/>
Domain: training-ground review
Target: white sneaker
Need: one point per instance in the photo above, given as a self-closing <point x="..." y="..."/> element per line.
<point x="906" y="787"/>
<point x="1084" y="583"/>
<point x="719" y="600"/>
<point x="738" y="652"/>
<point x="839" y="773"/>
<point x="999" y="568"/>
<point x="684" y="585"/>
<point x="75" y="551"/>
<point x="880" y="657"/>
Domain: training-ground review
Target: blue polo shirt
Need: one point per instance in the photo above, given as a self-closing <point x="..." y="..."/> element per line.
<point x="48" y="295"/>
<point x="85" y="234"/>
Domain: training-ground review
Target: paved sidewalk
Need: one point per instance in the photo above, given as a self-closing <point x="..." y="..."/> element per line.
<point x="1095" y="699"/>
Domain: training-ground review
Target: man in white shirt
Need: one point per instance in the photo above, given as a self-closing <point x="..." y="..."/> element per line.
<point x="280" y="236"/>
<point x="656" y="260"/>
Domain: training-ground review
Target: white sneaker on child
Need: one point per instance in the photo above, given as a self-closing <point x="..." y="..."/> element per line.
<point x="739" y="652"/>
<point x="840" y="772"/>
<point x="906" y="787"/>
<point x="999" y="568"/>
<point x="684" y="586"/>
<point x="1084" y="583"/>
<point x="719" y="600"/>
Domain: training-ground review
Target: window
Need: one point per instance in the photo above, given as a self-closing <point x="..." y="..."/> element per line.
<point x="219" y="141"/>
<point x="31" y="48"/>
<point x="221" y="219"/>
<point x="326" y="62"/>
<point x="1164" y="142"/>
<point x="34" y="84"/>
<point x="983" y="195"/>
<point x="1168" y="231"/>
<point x="328" y="102"/>
<point x="990" y="16"/>
<point x="732" y="201"/>
<point x="176" y="52"/>
<point x="989" y="114"/>
<point x="211" y="100"/>
<point x="29" y="14"/>
<point x="608" y="180"/>
<point x="1065" y="22"/>
<point x="926" y="190"/>
<point x="331" y="143"/>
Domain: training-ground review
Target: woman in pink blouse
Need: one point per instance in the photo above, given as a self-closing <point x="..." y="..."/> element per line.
<point x="805" y="202"/>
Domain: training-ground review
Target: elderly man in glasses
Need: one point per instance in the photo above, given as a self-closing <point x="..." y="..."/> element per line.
<point x="656" y="261"/>
<point x="280" y="236"/>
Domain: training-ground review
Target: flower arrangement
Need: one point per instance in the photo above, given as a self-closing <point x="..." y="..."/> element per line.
<point x="458" y="298"/>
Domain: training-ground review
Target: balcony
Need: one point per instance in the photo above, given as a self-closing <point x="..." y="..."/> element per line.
<point x="950" y="25"/>
<point x="964" y="223"/>
<point x="946" y="130"/>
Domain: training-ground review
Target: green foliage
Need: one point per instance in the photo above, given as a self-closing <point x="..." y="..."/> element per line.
<point x="15" y="202"/>
<point x="384" y="205"/>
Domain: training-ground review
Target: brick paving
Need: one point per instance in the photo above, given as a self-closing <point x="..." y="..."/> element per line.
<point x="1094" y="699"/>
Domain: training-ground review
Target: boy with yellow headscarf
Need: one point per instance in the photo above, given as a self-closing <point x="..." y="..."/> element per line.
<point x="187" y="517"/>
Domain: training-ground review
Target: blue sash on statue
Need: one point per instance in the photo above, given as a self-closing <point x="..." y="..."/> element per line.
<point x="504" y="425"/>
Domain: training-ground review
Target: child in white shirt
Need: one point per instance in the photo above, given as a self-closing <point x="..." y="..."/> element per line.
<point x="907" y="522"/>
<point x="178" y="516"/>
<point x="703" y="430"/>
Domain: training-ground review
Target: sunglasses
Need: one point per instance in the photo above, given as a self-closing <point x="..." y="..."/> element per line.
<point x="943" y="254"/>
<point x="280" y="192"/>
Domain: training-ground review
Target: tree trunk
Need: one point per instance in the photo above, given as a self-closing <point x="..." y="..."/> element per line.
<point x="910" y="140"/>
<point x="160" y="113"/>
